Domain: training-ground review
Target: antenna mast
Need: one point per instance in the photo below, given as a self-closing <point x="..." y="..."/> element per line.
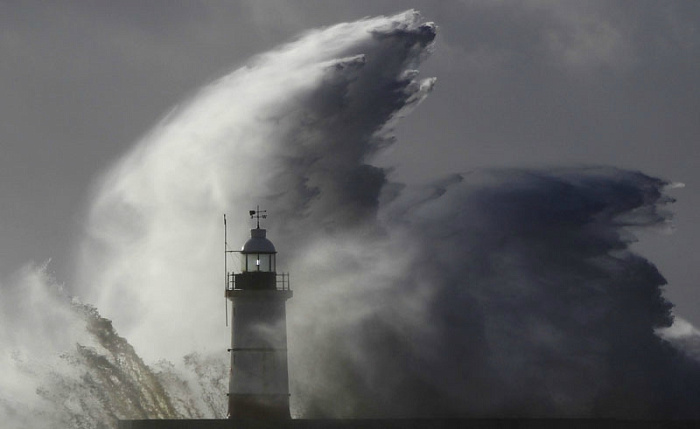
<point x="225" y="267"/>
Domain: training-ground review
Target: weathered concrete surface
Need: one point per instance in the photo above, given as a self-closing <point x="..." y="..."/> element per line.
<point x="408" y="424"/>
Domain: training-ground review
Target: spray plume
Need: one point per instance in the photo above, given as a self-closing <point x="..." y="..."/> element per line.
<point x="492" y="293"/>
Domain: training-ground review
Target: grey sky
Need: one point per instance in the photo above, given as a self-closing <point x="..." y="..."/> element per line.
<point x="519" y="84"/>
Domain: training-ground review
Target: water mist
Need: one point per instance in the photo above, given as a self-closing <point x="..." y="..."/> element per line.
<point x="487" y="293"/>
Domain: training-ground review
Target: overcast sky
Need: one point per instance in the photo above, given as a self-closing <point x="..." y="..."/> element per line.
<point x="525" y="84"/>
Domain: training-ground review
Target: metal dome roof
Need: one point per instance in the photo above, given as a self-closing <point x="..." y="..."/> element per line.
<point x="258" y="243"/>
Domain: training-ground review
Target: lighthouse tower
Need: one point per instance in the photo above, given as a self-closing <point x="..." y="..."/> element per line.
<point x="258" y="386"/>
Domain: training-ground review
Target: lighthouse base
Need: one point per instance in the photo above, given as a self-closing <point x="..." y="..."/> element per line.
<point x="257" y="407"/>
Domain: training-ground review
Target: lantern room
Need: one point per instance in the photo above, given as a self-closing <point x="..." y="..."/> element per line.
<point x="258" y="263"/>
<point x="258" y="253"/>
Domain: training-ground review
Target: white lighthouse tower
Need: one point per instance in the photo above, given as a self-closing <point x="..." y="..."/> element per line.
<point x="259" y="382"/>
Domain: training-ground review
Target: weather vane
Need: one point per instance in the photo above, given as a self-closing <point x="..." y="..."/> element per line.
<point x="258" y="214"/>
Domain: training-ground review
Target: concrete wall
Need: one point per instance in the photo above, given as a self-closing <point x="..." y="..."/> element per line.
<point x="410" y="424"/>
<point x="308" y="424"/>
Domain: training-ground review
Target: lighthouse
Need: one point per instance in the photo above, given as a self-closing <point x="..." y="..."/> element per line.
<point x="259" y="381"/>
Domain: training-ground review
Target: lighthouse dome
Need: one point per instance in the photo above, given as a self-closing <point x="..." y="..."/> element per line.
<point x="258" y="243"/>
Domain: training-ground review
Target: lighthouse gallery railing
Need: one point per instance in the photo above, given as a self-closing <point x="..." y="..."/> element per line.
<point x="282" y="281"/>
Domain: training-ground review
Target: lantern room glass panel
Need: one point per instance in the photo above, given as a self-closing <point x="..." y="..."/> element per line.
<point x="263" y="262"/>
<point x="258" y="262"/>
<point x="249" y="264"/>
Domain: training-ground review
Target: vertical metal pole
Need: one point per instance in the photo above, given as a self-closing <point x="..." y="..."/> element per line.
<point x="225" y="269"/>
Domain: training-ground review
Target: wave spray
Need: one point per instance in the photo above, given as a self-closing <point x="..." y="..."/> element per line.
<point x="487" y="293"/>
